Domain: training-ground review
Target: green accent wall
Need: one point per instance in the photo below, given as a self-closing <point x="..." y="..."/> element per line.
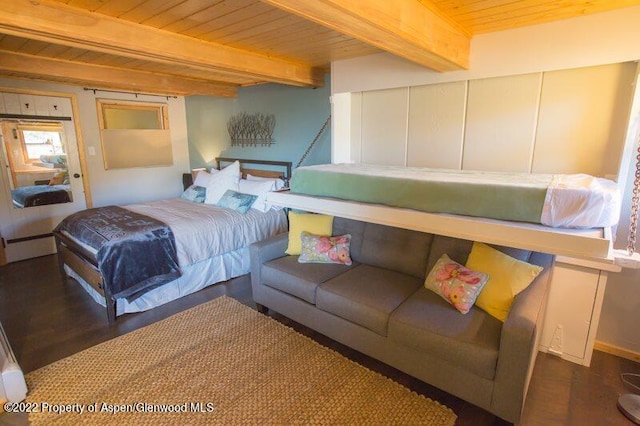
<point x="299" y="112"/>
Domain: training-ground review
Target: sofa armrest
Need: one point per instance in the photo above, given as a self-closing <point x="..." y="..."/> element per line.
<point x="264" y="251"/>
<point x="270" y="248"/>
<point x="519" y="343"/>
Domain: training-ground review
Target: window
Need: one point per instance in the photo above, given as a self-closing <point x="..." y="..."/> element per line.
<point x="125" y="116"/>
<point x="40" y="139"/>
<point x="134" y="134"/>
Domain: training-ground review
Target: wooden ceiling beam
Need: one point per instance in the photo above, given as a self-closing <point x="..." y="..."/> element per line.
<point x="59" y="23"/>
<point x="414" y="30"/>
<point x="109" y="77"/>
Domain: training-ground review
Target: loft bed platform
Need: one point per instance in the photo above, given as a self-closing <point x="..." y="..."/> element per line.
<point x="585" y="247"/>
<point x="567" y="215"/>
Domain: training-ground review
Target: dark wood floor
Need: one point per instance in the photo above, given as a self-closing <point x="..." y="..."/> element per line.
<point x="47" y="320"/>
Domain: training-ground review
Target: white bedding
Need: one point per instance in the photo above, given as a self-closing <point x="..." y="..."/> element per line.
<point x="203" y="230"/>
<point x="212" y="245"/>
<point x="580" y="200"/>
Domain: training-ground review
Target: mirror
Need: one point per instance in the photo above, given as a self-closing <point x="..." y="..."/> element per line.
<point x="36" y="162"/>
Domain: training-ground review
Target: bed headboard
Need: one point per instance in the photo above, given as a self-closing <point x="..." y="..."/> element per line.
<point x="282" y="169"/>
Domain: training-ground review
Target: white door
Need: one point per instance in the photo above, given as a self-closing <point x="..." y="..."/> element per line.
<point x="41" y="182"/>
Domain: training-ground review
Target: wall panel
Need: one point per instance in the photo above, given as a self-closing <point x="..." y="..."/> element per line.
<point x="570" y="121"/>
<point x="384" y="126"/>
<point x="436" y="125"/>
<point x="501" y="121"/>
<point x="356" y="127"/>
<point x="582" y="123"/>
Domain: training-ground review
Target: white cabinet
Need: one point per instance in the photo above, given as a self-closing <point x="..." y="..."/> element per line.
<point x="27" y="104"/>
<point x="59" y="107"/>
<point x="41" y="105"/>
<point x="573" y="311"/>
<point x="12" y="103"/>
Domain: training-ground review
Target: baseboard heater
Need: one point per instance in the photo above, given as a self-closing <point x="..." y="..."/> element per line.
<point x="13" y="388"/>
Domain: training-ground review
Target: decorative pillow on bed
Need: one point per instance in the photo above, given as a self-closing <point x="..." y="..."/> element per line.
<point x="221" y="181"/>
<point x="278" y="183"/>
<point x="194" y="193"/>
<point x="455" y="283"/>
<point x="259" y="189"/>
<point x="237" y="201"/>
<point x="507" y="278"/>
<point x="312" y="223"/>
<point x="203" y="178"/>
<point x="325" y="249"/>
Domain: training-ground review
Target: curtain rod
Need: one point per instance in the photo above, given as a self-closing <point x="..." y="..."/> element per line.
<point x="129" y="93"/>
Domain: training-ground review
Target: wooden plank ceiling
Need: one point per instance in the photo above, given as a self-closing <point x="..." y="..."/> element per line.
<point x="212" y="47"/>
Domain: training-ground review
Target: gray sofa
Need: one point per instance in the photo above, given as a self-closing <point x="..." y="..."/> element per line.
<point x="380" y="307"/>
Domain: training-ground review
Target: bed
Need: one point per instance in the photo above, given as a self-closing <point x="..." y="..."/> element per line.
<point x="40" y="195"/>
<point x="135" y="257"/>
<point x="567" y="215"/>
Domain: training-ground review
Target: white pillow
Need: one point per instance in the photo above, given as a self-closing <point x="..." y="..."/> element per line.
<point x="221" y="181"/>
<point x="259" y="188"/>
<point x="203" y="178"/>
<point x="279" y="183"/>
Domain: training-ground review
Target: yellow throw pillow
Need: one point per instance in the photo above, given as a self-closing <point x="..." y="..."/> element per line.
<point x="318" y="224"/>
<point x="507" y="278"/>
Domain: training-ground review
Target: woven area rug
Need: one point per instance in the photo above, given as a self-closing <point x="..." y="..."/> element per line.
<point x="221" y="363"/>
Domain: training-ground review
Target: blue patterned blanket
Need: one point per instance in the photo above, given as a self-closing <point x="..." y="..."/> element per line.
<point x="39" y="195"/>
<point x="135" y="253"/>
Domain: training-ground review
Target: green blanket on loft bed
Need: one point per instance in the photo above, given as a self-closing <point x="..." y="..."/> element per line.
<point x="579" y="201"/>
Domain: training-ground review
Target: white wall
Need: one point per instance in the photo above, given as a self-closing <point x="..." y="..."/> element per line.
<point x="123" y="186"/>
<point x="567" y="121"/>
<point x="604" y="38"/>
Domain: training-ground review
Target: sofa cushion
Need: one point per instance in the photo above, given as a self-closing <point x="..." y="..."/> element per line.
<point x="366" y="295"/>
<point x="396" y="249"/>
<point x="457" y="250"/>
<point x="427" y="323"/>
<point x="355" y="228"/>
<point x="299" y="279"/>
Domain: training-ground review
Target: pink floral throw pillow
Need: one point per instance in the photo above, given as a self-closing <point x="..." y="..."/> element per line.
<point x="455" y="283"/>
<point x="325" y="249"/>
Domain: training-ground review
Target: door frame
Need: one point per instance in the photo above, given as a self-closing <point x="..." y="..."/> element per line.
<point x="76" y="123"/>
